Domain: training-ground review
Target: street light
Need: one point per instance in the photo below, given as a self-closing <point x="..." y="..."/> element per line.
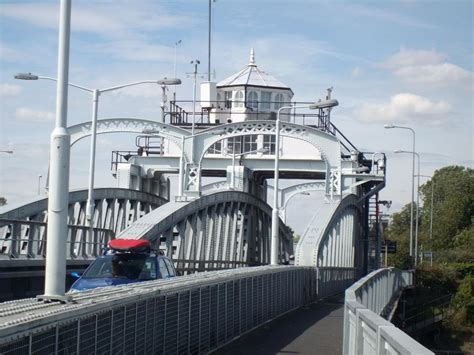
<point x="6" y="151"/>
<point x="412" y="182"/>
<point x="233" y="155"/>
<point x="417" y="198"/>
<point x="195" y="63"/>
<point x="431" y="204"/>
<point x="275" y="212"/>
<point x="95" y="102"/>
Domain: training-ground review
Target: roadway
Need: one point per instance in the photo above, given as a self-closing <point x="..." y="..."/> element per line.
<point x="313" y="329"/>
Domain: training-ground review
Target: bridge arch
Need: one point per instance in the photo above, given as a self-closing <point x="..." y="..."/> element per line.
<point x="333" y="237"/>
<point x="327" y="144"/>
<point x="128" y="125"/>
<point x="217" y="231"/>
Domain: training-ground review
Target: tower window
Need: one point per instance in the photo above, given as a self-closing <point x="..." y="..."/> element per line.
<point x="269" y="144"/>
<point x="238" y="99"/>
<point x="279" y="101"/>
<point x="252" y="100"/>
<point x="266" y="100"/>
<point x="250" y="143"/>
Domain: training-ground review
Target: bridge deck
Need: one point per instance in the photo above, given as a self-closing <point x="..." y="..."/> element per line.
<point x="314" y="329"/>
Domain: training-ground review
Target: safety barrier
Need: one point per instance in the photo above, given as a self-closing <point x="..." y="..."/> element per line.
<point x="190" y="314"/>
<point x="365" y="331"/>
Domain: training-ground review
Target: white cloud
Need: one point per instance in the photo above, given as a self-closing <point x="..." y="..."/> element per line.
<point x="404" y="107"/>
<point x="439" y="74"/>
<point x="412" y="57"/>
<point x="426" y="67"/>
<point x="29" y="115"/>
<point x="9" y="90"/>
<point x="102" y="18"/>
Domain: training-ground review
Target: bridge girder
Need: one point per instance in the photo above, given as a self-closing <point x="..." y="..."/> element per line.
<point x="220" y="230"/>
<point x="333" y="237"/>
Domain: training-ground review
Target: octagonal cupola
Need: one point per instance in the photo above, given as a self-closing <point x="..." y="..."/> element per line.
<point x="251" y="93"/>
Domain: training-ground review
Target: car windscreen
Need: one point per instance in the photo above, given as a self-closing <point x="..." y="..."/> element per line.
<point x="126" y="266"/>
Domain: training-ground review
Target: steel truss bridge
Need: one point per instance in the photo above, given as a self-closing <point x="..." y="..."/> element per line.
<point x="220" y="228"/>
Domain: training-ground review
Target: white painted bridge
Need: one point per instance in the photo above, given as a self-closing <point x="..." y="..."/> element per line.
<point x="224" y="225"/>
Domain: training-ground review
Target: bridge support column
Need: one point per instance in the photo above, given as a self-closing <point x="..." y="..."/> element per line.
<point x="59" y="172"/>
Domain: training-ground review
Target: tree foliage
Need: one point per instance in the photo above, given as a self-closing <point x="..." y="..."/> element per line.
<point x="453" y="207"/>
<point x="3" y="201"/>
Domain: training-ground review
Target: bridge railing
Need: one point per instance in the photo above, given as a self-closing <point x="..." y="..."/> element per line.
<point x="333" y="280"/>
<point x="190" y="314"/>
<point x="20" y="239"/>
<point x="365" y="331"/>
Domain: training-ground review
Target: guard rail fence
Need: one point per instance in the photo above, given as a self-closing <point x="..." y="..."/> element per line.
<point x="185" y="315"/>
<point x="366" y="301"/>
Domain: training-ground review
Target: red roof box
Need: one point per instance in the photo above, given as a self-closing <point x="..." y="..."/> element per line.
<point x="130" y="244"/>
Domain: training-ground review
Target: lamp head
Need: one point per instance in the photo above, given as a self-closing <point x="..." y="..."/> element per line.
<point x="388" y="126"/>
<point x="26" y="76"/>
<point x="171" y="81"/>
<point x="324" y="104"/>
<point x="398" y="151"/>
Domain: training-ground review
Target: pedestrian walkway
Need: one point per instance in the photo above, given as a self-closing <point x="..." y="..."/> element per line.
<point x="313" y="329"/>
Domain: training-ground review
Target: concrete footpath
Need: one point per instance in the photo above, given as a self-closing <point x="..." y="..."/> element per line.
<point x="314" y="329"/>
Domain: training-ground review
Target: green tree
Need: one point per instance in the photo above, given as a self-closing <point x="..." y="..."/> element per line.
<point x="453" y="207"/>
<point x="399" y="231"/>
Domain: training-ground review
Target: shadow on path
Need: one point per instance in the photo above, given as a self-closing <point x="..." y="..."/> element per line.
<point x="313" y="329"/>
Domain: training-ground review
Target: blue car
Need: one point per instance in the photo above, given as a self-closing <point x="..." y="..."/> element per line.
<point x="126" y="261"/>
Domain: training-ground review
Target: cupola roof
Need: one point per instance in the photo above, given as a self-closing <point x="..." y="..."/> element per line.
<point x="251" y="75"/>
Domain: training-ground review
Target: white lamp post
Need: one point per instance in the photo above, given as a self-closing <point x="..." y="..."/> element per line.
<point x="412" y="182"/>
<point x="417" y="200"/>
<point x="195" y="63"/>
<point x="95" y="102"/>
<point x="326" y="104"/>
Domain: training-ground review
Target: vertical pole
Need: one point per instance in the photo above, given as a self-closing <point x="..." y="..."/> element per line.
<point x="59" y="171"/>
<point x="417" y="211"/>
<point x="377" y="233"/>
<point x="194" y="95"/>
<point x="412" y="198"/>
<point x="275" y="214"/>
<point x="181" y="169"/>
<point x="90" y="195"/>
<point x="232" y="176"/>
<point x="365" y="245"/>
<point x="209" y="44"/>
<point x="431" y="209"/>
<point x="163" y="103"/>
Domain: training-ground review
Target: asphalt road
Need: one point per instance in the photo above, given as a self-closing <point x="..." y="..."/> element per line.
<point x="314" y="329"/>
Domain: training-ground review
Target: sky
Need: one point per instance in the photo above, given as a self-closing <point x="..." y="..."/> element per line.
<point x="404" y="62"/>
